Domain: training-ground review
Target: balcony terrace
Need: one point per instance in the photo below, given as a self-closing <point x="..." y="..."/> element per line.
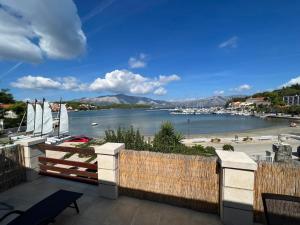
<point x="96" y="210"/>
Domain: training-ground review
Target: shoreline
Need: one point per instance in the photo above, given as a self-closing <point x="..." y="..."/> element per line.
<point x="274" y="131"/>
<point x="262" y="139"/>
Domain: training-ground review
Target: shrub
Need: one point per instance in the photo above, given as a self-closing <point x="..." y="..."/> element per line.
<point x="130" y="137"/>
<point x="167" y="140"/>
<point x="215" y="140"/>
<point x="247" y="139"/>
<point x="228" y="147"/>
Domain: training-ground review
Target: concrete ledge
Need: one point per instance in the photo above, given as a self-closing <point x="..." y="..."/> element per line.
<point x="109" y="148"/>
<point x="31" y="141"/>
<point x="236" y="160"/>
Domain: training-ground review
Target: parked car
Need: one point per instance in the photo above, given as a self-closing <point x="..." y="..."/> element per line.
<point x="82" y="139"/>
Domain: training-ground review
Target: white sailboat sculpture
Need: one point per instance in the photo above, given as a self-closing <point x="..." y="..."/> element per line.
<point x="38" y="120"/>
<point x="63" y="120"/>
<point x="47" y="127"/>
<point x="30" y="118"/>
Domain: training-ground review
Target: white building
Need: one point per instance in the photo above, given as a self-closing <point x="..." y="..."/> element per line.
<point x="292" y="100"/>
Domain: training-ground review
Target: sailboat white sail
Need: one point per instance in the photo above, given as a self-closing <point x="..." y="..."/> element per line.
<point x="30" y="118"/>
<point x="38" y="119"/>
<point x="47" y="119"/>
<point x="64" y="120"/>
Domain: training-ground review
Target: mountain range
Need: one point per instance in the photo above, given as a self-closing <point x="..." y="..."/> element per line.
<point x="127" y="99"/>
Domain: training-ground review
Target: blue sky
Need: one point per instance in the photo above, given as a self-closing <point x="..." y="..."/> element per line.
<point x="160" y="49"/>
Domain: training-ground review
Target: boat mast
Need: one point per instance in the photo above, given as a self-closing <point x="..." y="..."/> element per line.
<point x="59" y="116"/>
<point x="35" y="101"/>
<point x="42" y="117"/>
<point x="19" y="128"/>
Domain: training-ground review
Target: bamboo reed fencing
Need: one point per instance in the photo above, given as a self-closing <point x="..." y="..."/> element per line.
<point x="183" y="180"/>
<point x="12" y="168"/>
<point x="277" y="178"/>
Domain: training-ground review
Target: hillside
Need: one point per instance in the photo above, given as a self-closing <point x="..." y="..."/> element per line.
<point x="136" y="100"/>
<point x="122" y="99"/>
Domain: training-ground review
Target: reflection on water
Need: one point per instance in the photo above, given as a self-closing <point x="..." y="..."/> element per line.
<point x="148" y="122"/>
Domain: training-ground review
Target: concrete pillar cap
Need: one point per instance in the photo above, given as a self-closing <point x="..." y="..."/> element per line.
<point x="109" y="148"/>
<point x="236" y="160"/>
<point x="31" y="141"/>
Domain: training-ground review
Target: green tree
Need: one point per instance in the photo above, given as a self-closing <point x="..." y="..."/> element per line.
<point x="6" y="97"/>
<point x="228" y="147"/>
<point x="167" y="138"/>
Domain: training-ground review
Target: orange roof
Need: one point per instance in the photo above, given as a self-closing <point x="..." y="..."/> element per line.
<point x="5" y="106"/>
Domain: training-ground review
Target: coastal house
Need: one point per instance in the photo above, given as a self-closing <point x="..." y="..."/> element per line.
<point x="291" y="100"/>
<point x="258" y="101"/>
<point x="235" y="105"/>
<point x="10" y="115"/>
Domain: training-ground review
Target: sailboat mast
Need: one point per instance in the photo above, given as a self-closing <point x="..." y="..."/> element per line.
<point x="59" y="117"/>
<point x="42" y="117"/>
<point x="34" y="114"/>
<point x="19" y="128"/>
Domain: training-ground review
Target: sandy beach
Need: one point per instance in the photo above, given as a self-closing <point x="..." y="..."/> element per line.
<point x="262" y="139"/>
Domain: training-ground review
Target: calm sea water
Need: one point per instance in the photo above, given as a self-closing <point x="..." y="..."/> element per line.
<point x="148" y="122"/>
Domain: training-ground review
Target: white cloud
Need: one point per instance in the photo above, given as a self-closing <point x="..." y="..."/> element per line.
<point x="160" y="91"/>
<point x="124" y="81"/>
<point x="41" y="82"/>
<point x="36" y="82"/>
<point x="32" y="29"/>
<point x="221" y="92"/>
<point x="230" y="43"/>
<point x="292" y="81"/>
<point x="117" y="81"/>
<point x="241" y="88"/>
<point x="138" y="62"/>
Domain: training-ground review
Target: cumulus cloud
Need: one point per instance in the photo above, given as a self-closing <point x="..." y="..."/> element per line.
<point x="138" y="62"/>
<point x="32" y="29"/>
<point x="160" y="91"/>
<point x="41" y="82"/>
<point x="36" y="82"/>
<point x="230" y="43"/>
<point x="124" y="81"/>
<point x="117" y="81"/>
<point x="219" y="92"/>
<point x="243" y="87"/>
<point x="292" y="81"/>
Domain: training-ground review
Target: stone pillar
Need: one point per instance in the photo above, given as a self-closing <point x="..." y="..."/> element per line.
<point x="283" y="152"/>
<point x="31" y="155"/>
<point x="236" y="187"/>
<point x="108" y="166"/>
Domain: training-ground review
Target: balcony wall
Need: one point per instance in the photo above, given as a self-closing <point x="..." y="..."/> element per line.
<point x="187" y="181"/>
<point x="277" y="178"/>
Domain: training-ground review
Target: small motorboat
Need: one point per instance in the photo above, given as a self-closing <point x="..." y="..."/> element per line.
<point x="80" y="138"/>
<point x="94" y="124"/>
<point x="293" y="124"/>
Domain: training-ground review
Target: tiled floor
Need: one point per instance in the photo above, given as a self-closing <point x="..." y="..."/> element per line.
<point x="95" y="210"/>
